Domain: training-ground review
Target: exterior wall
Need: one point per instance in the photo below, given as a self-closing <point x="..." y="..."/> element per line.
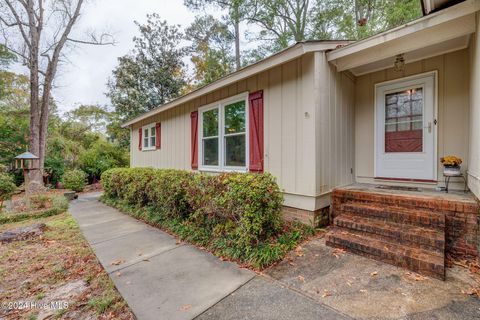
<point x="474" y="156"/>
<point x="452" y="114"/>
<point x="289" y="134"/>
<point x="335" y="139"/>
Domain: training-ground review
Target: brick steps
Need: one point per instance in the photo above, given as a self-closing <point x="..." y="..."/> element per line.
<point x="428" y="239"/>
<point x="410" y="216"/>
<point x="405" y="231"/>
<point x="421" y="261"/>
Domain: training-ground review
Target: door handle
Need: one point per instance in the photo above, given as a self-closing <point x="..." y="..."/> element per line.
<point x="429" y="127"/>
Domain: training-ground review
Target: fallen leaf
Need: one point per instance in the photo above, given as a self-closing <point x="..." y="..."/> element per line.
<point x="301" y="278"/>
<point x="363" y="290"/>
<point x="185" y="307"/>
<point x="118" y="274"/>
<point x="326" y="294"/>
<point x="117" y="262"/>
<point x="337" y="252"/>
<point x="374" y="273"/>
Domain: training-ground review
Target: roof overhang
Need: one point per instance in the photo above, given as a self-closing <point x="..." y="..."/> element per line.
<point x="438" y="33"/>
<point x="289" y="54"/>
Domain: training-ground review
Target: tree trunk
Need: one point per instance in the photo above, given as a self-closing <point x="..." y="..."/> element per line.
<point x="34" y="139"/>
<point x="237" y="44"/>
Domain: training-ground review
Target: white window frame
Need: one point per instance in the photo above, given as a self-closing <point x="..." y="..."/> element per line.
<point x="149" y="127"/>
<point x="220" y="105"/>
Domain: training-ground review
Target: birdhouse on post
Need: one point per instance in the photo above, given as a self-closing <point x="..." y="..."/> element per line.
<point x="27" y="162"/>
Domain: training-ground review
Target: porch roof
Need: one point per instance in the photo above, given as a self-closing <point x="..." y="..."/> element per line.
<point x="440" y="32"/>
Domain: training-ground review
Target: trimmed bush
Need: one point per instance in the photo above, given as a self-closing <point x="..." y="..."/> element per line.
<point x="236" y="215"/>
<point x="75" y="180"/>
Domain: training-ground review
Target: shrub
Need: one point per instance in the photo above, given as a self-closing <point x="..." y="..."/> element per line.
<point x="234" y="214"/>
<point x="40" y="201"/>
<point x="101" y="156"/>
<point x="7" y="188"/>
<point x="74" y="180"/>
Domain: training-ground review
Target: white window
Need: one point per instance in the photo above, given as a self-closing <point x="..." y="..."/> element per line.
<point x="149" y="137"/>
<point x="223" y="140"/>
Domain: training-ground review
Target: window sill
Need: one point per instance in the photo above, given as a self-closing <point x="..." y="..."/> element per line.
<point x="149" y="149"/>
<point x="219" y="170"/>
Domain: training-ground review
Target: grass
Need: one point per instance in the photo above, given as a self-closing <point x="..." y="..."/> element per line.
<point x="32" y="269"/>
<point x="220" y="244"/>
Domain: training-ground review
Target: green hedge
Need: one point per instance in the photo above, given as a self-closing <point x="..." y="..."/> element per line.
<point x="236" y="215"/>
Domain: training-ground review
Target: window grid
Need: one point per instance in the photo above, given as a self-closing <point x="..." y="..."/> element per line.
<point x="222" y="135"/>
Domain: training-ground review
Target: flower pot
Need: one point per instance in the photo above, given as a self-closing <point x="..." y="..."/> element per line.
<point x="451" y="171"/>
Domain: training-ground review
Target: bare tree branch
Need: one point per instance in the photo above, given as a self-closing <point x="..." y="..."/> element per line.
<point x="20" y="24"/>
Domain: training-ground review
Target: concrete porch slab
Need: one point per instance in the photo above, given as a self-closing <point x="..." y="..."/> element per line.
<point x="368" y="289"/>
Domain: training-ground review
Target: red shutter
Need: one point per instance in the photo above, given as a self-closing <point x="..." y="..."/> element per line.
<point x="255" y="117"/>
<point x="194" y="137"/>
<point x="158" y="134"/>
<point x="139" y="138"/>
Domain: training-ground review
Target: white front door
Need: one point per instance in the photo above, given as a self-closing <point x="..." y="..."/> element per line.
<point x="405" y="128"/>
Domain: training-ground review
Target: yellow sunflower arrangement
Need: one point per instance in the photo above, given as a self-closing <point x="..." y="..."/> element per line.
<point x="451" y="161"/>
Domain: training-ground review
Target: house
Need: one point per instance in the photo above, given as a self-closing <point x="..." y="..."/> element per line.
<point x="357" y="125"/>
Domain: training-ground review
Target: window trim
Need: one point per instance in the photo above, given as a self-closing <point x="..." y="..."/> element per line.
<point x="220" y="105"/>
<point x="149" y="127"/>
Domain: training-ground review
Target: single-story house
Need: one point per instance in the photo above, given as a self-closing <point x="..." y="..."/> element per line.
<point x="321" y="115"/>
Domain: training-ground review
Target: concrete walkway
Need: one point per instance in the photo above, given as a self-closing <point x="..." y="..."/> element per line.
<point x="161" y="278"/>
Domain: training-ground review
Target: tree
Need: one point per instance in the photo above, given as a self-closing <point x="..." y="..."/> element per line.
<point x="14" y="115"/>
<point x="210" y="49"/>
<point x="236" y="11"/>
<point x="101" y="156"/>
<point x="363" y="18"/>
<point x="38" y="32"/>
<point x="152" y="74"/>
<point x="283" y="21"/>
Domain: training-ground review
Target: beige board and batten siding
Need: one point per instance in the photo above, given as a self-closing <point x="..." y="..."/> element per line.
<point x="335" y="138"/>
<point x="289" y="135"/>
<point x="452" y="117"/>
<point x="474" y="117"/>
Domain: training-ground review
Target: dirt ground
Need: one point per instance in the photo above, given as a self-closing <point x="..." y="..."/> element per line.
<point x="58" y="266"/>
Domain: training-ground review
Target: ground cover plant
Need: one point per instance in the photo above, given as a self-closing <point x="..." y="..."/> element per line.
<point x="37" y="269"/>
<point x="38" y="206"/>
<point x="237" y="216"/>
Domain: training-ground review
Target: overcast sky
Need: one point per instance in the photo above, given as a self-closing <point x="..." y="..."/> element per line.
<point x="83" y="81"/>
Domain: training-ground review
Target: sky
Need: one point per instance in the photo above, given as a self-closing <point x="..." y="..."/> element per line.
<point x="83" y="80"/>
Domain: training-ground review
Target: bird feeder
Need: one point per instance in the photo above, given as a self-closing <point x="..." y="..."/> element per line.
<point x="27" y="162"/>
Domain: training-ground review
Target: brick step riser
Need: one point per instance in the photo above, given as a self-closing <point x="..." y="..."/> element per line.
<point x="431" y="221"/>
<point x="394" y="236"/>
<point x="405" y="202"/>
<point x="422" y="267"/>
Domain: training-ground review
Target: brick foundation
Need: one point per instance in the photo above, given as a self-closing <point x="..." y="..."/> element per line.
<point x="317" y="218"/>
